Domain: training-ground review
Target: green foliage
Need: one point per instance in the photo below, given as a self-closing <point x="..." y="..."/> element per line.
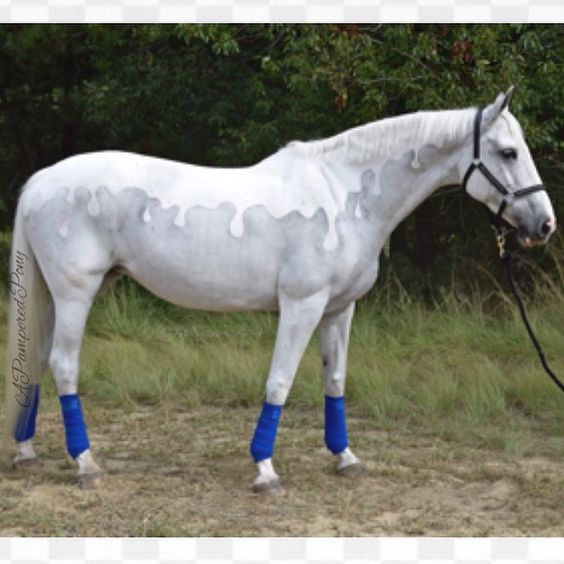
<point x="231" y="95"/>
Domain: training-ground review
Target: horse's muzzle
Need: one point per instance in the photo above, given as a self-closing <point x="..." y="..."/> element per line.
<point x="539" y="234"/>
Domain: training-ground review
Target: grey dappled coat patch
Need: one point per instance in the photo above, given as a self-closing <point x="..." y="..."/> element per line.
<point x="368" y="179"/>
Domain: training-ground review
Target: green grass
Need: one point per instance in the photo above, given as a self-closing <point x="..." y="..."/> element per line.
<point x="460" y="369"/>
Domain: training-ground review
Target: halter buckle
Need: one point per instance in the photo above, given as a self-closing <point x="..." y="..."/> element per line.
<point x="500" y="241"/>
<point x="510" y="197"/>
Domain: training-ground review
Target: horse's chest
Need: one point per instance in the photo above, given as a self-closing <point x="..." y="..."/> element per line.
<point x="353" y="283"/>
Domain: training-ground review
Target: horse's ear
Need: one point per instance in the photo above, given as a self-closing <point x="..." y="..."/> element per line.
<point x="501" y="102"/>
<point x="508" y="96"/>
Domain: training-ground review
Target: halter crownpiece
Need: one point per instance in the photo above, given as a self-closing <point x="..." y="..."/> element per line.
<point x="477" y="163"/>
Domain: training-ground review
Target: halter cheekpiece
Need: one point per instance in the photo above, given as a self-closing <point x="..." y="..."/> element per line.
<point x="477" y="163"/>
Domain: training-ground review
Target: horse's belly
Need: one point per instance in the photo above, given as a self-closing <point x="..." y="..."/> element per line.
<point x="210" y="282"/>
<point x="201" y="264"/>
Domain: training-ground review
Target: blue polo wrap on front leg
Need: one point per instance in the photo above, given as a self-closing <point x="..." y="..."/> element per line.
<point x="262" y="445"/>
<point x="75" y="428"/>
<point x="335" y="424"/>
<point x="25" y="426"/>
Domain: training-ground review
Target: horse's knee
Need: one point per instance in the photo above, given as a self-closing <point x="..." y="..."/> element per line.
<point x="334" y="384"/>
<point x="277" y="390"/>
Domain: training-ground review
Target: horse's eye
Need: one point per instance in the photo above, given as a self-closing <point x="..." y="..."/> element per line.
<point x="508" y="153"/>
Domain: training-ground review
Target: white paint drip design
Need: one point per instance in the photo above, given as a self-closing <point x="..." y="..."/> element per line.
<point x="93" y="204"/>
<point x="358" y="211"/>
<point x="278" y="184"/>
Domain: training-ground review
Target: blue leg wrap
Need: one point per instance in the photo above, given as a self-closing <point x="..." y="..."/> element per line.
<point x="262" y="445"/>
<point x="25" y="427"/>
<point x="75" y="429"/>
<point x="335" y="424"/>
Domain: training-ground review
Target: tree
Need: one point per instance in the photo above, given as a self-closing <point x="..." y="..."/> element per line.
<point x="231" y="95"/>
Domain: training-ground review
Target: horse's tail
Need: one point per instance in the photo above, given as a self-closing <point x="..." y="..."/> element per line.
<point x="27" y="337"/>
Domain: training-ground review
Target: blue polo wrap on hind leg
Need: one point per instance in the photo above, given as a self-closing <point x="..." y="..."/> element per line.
<point x="25" y="426"/>
<point x="75" y="429"/>
<point x="335" y="424"/>
<point x="262" y="445"/>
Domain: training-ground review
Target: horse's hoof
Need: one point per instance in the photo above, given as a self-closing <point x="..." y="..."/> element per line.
<point x="355" y="470"/>
<point x="26" y="463"/>
<point x="89" y="480"/>
<point x="272" y="487"/>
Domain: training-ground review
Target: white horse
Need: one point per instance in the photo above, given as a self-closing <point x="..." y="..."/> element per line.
<point x="299" y="232"/>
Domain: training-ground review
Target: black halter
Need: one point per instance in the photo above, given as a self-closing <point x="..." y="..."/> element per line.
<point x="508" y="196"/>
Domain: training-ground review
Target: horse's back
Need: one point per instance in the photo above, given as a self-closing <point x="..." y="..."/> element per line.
<point x="279" y="184"/>
<point x="117" y="170"/>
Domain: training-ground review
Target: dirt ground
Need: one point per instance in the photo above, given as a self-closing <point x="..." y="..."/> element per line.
<point x="189" y="474"/>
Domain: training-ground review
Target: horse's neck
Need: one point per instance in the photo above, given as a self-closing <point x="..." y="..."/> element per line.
<point x="403" y="182"/>
<point x="414" y="186"/>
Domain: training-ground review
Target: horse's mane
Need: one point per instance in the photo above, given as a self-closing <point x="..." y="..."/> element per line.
<point x="394" y="135"/>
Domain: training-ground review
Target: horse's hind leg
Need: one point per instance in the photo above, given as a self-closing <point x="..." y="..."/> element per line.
<point x="334" y="331"/>
<point x="70" y="321"/>
<point x="25" y="431"/>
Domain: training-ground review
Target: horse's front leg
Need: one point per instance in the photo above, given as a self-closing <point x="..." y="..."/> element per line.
<point x="298" y="319"/>
<point x="334" y="331"/>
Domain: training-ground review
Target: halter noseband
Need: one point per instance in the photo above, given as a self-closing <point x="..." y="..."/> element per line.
<point x="477" y="163"/>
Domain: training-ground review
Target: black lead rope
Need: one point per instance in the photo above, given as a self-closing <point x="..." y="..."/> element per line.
<point x="507" y="260"/>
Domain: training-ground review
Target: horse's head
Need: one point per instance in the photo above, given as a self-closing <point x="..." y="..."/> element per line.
<point x="501" y="174"/>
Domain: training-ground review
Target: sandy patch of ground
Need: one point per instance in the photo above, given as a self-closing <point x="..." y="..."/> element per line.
<point x="189" y="474"/>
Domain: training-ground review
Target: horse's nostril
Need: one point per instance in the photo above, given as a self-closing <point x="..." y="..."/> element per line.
<point x="546" y="227"/>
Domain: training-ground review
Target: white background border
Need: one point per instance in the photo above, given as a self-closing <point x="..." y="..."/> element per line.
<point x="282" y="551"/>
<point x="123" y="11"/>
